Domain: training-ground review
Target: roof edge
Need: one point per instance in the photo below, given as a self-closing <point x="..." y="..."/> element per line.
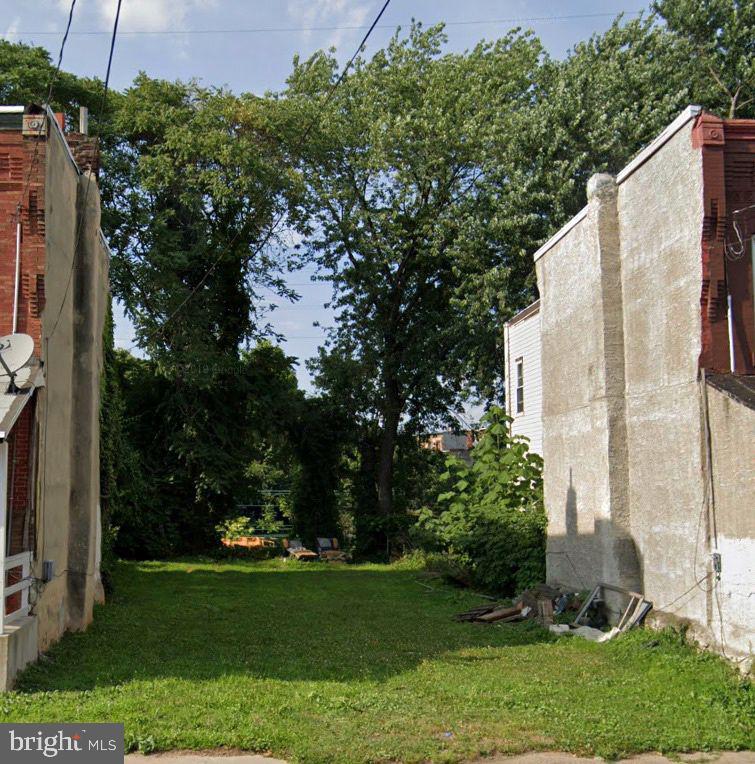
<point x="690" y="113"/>
<point x="560" y="234"/>
<point x="530" y="310"/>
<point x="56" y="126"/>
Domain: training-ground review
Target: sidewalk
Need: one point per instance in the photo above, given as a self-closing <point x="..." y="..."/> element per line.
<point x="728" y="757"/>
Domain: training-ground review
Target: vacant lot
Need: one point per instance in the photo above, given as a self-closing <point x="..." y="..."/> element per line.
<point x="363" y="664"/>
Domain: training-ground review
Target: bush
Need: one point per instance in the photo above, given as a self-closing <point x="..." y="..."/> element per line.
<point x="490" y="521"/>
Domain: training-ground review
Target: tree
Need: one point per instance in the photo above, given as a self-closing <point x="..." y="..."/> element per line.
<point x="318" y="437"/>
<point x="192" y="188"/>
<point x="177" y="502"/>
<point x="27" y="72"/>
<point x="719" y="35"/>
<point x="393" y="213"/>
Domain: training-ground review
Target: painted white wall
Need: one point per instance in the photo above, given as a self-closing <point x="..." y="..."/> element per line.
<point x="522" y="340"/>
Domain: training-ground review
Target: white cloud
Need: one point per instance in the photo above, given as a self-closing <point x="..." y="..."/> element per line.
<point x="11" y="32"/>
<point x="140" y="15"/>
<point x="343" y="13"/>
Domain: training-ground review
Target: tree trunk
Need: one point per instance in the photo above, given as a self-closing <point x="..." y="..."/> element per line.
<point x="388" y="437"/>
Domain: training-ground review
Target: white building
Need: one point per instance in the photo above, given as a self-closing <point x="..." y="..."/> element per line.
<point x="524" y="402"/>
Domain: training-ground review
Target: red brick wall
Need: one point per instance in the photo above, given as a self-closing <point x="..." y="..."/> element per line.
<point x="22" y="176"/>
<point x="16" y="158"/>
<point x="728" y="155"/>
<point x="739" y="166"/>
<point x="21" y="482"/>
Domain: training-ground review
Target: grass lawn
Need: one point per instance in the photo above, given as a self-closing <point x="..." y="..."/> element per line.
<point x="363" y="664"/>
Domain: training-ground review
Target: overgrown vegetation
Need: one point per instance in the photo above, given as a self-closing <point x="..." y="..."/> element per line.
<point x="490" y="521"/>
<point x="352" y="664"/>
<point x="419" y="190"/>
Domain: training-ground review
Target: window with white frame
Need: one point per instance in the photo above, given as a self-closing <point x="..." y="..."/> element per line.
<point x="520" y="385"/>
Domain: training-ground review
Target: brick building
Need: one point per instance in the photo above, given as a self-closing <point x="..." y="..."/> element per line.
<point x="647" y="339"/>
<point x="53" y="288"/>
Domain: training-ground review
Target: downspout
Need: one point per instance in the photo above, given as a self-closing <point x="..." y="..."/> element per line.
<point x="18" y="269"/>
<point x="730" y="323"/>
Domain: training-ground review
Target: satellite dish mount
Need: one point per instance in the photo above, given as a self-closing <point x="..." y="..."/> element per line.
<point x="15" y="352"/>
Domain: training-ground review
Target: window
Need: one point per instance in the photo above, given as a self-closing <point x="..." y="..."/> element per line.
<point x="520" y="385"/>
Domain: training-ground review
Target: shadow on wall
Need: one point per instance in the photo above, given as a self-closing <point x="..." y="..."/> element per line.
<point x="581" y="560"/>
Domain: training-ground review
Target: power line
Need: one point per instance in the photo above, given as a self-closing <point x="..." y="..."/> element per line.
<point x="53" y="80"/>
<point x="79" y="226"/>
<point x="280" y="218"/>
<point x="335" y="28"/>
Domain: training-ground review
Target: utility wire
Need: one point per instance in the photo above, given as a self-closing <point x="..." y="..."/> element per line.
<point x="335" y="28"/>
<point x="51" y="87"/>
<point x="303" y="137"/>
<point x="79" y="226"/>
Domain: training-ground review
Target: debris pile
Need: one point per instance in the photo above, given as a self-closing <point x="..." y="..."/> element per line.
<point x="606" y="605"/>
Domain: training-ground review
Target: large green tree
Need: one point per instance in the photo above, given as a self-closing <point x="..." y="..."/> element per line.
<point x="394" y="214"/>
<point x="26" y="73"/>
<point x="719" y="37"/>
<point x="192" y="187"/>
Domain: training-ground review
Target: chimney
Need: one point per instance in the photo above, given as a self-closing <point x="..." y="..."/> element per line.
<point x="60" y="118"/>
<point x="83" y="120"/>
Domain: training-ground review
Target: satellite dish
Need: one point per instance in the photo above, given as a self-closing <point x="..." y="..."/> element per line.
<point x="15" y="352"/>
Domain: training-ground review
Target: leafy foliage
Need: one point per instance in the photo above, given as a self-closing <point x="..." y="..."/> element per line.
<point x="26" y="75"/>
<point x="182" y="500"/>
<point x="318" y="436"/>
<point x="490" y="519"/>
<point x="393" y="214"/>
<point x="719" y="35"/>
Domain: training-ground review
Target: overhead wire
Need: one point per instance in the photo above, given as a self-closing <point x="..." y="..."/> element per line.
<point x="303" y="137"/>
<point x="53" y="81"/>
<point x="40" y="131"/>
<point x="48" y="99"/>
<point x="77" y="241"/>
<point x="79" y="226"/>
<point x="336" y="27"/>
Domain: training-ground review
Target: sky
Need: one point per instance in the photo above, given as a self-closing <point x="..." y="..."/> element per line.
<point x="248" y="46"/>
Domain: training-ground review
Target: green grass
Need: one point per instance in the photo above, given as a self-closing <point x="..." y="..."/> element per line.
<point x="363" y="664"/>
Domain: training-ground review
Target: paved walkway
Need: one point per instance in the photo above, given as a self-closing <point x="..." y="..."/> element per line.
<point x="730" y="757"/>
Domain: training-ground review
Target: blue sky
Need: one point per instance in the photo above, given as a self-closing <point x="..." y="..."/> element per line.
<point x="248" y="46"/>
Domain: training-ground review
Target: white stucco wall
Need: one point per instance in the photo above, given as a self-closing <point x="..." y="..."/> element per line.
<point x="627" y="475"/>
<point x="660" y="211"/>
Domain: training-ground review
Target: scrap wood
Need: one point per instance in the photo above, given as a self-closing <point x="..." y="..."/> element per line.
<point x="494" y="614"/>
<point x="520" y="616"/>
<point x="545" y="612"/>
<point x="500" y="613"/>
<point x="635" y="611"/>
<point x="476" y="612"/>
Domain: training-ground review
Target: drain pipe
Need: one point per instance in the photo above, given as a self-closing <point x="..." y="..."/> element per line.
<point x="18" y="270"/>
<point x="730" y="322"/>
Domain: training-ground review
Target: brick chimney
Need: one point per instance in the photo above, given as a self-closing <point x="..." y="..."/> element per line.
<point x="85" y="151"/>
<point x="83" y="147"/>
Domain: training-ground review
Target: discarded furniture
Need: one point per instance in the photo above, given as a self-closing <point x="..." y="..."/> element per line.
<point x="330" y="551"/>
<point x="249" y="542"/>
<point x="632" y="615"/>
<point x="298" y="551"/>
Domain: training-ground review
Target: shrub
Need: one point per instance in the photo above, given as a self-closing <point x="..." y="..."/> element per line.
<point x="235" y="528"/>
<point x="490" y="522"/>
